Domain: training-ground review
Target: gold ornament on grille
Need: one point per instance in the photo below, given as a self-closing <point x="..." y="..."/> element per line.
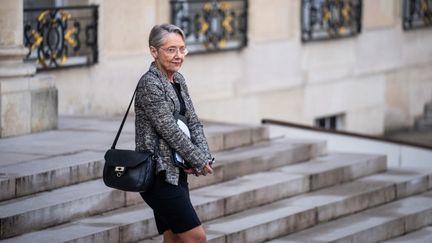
<point x="226" y="23"/>
<point x="48" y="21"/>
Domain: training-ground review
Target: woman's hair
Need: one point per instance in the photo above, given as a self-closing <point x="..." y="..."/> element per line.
<point x="158" y="33"/>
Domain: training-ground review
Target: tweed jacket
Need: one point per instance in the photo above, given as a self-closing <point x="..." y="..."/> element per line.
<point x="156" y="102"/>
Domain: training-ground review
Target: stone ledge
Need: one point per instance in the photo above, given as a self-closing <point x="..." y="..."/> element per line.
<point x="13" y="51"/>
<point x="17" y="70"/>
<point x="24" y="84"/>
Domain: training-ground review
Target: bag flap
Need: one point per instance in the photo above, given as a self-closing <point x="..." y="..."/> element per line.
<point x="126" y="158"/>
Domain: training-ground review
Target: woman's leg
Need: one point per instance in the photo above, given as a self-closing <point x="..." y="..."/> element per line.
<point x="170" y="237"/>
<point x="195" y="235"/>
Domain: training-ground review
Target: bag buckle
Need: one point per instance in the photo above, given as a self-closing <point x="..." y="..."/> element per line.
<point x="120" y="170"/>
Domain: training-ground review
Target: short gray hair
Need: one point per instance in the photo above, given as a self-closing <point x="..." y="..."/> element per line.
<point x="158" y="33"/>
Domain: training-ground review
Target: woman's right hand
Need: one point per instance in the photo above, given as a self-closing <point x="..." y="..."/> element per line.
<point x="207" y="170"/>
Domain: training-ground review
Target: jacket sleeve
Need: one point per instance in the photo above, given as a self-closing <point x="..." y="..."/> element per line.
<point x="196" y="127"/>
<point x="151" y="98"/>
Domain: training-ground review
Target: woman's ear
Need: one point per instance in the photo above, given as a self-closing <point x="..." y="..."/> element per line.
<point x="154" y="52"/>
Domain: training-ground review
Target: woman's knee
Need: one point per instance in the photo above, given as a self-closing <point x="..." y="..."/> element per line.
<point x="200" y="237"/>
<point x="195" y="235"/>
<point x="170" y="237"/>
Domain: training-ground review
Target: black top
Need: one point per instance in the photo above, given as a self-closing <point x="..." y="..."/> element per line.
<point x="177" y="89"/>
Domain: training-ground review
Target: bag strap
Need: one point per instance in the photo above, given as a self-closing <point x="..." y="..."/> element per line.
<point x="156" y="149"/>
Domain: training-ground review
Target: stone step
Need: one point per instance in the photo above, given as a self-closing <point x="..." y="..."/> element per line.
<point x="133" y="223"/>
<point x="224" y="136"/>
<point x="45" y="209"/>
<point x="423" y="235"/>
<point x="220" y="136"/>
<point x="260" y="157"/>
<point x="51" y="208"/>
<point x="253" y="159"/>
<point x="373" y="225"/>
<point x="300" y="212"/>
<point x="22" y="178"/>
<point x="39" y="175"/>
<point x="266" y="187"/>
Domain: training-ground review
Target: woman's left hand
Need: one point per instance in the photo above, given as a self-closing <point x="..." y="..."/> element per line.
<point x="207" y="169"/>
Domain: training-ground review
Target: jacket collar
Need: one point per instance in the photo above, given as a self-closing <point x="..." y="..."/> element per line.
<point x="169" y="89"/>
<point x="155" y="70"/>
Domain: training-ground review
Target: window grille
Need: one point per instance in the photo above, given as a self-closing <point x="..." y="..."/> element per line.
<point x="417" y="14"/>
<point x="330" y="19"/>
<point x="214" y="25"/>
<point x="335" y="122"/>
<point x="61" y="37"/>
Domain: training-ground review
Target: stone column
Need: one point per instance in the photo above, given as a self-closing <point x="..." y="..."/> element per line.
<point x="28" y="102"/>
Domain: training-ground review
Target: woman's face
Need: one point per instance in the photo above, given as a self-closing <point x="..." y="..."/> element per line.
<point x="169" y="55"/>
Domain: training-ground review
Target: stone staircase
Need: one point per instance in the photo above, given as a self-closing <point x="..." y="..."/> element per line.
<point x="262" y="189"/>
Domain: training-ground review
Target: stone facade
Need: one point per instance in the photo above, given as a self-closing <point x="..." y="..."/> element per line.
<point x="28" y="102"/>
<point x="379" y="80"/>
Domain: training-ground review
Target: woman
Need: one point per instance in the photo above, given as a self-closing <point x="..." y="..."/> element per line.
<point x="162" y="94"/>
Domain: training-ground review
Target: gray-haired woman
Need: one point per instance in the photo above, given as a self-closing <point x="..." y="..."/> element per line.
<point x="162" y="98"/>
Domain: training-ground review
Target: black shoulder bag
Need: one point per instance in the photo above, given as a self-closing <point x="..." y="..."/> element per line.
<point x="129" y="170"/>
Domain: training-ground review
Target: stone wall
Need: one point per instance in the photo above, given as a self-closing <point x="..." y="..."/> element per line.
<point x="379" y="79"/>
<point x="28" y="102"/>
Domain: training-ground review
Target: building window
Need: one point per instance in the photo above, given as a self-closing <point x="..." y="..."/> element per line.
<point x="417" y="14"/>
<point x="214" y="25"/>
<point x="334" y="122"/>
<point x="330" y="19"/>
<point x="60" y="36"/>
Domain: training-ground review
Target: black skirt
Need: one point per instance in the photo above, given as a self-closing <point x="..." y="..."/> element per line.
<point x="171" y="205"/>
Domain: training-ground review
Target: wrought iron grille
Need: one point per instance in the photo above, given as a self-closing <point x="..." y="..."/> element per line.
<point x="417" y="14"/>
<point x="61" y="37"/>
<point x="212" y="25"/>
<point x="330" y="19"/>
